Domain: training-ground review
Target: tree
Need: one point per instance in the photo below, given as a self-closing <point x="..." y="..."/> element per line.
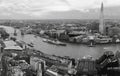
<point x="3" y="33"/>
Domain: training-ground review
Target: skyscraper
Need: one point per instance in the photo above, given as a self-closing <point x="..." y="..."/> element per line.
<point x="101" y="25"/>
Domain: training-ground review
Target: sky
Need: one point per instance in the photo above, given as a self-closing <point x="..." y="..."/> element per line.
<point x="46" y="9"/>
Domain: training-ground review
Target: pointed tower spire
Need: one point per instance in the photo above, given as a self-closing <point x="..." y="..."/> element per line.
<point x="101" y="25"/>
<point x="102" y="7"/>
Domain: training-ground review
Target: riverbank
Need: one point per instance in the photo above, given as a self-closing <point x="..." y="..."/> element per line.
<point x="72" y="50"/>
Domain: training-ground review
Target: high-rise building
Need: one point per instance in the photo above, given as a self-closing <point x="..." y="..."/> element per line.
<point x="101" y="25"/>
<point x="40" y="69"/>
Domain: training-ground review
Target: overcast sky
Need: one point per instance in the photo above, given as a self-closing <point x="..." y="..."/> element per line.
<point x="43" y="8"/>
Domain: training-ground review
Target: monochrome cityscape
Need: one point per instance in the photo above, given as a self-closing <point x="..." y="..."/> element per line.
<point x="59" y="38"/>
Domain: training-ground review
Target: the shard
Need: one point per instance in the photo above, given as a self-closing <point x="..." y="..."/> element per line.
<point x="101" y="25"/>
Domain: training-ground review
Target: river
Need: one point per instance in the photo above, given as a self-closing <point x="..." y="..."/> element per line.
<point x="72" y="50"/>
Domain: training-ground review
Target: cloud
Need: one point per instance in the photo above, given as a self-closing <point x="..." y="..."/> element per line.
<point x="112" y="3"/>
<point x="33" y="7"/>
<point x="6" y="14"/>
<point x="44" y="7"/>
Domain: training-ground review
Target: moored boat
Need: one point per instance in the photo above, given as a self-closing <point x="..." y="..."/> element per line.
<point x="103" y="39"/>
<point x="91" y="41"/>
<point x="30" y="44"/>
<point x="56" y="42"/>
<point x="91" y="44"/>
<point x="46" y="40"/>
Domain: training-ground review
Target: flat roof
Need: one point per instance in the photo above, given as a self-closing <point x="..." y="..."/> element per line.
<point x="10" y="43"/>
<point x="13" y="48"/>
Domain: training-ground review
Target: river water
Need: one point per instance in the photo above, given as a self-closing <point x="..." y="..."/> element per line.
<point x="72" y="50"/>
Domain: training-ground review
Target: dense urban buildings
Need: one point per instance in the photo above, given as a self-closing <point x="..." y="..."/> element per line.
<point x="20" y="56"/>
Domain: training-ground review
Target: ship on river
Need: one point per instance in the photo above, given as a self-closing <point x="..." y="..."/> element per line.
<point x="55" y="42"/>
<point x="103" y="39"/>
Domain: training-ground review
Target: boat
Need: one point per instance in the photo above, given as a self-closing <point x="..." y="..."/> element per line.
<point x="91" y="44"/>
<point x="30" y="44"/>
<point x="89" y="57"/>
<point x="55" y="42"/>
<point x="91" y="41"/>
<point x="117" y="41"/>
<point x="103" y="39"/>
<point x="46" y="40"/>
<point x="59" y="43"/>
